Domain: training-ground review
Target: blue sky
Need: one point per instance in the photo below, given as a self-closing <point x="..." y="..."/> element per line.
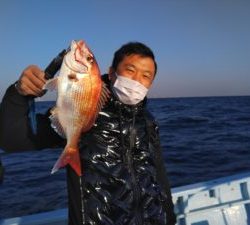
<point x="202" y="46"/>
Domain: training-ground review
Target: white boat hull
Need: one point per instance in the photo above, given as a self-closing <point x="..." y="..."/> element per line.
<point x="224" y="201"/>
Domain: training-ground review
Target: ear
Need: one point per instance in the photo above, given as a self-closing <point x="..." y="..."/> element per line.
<point x="111" y="75"/>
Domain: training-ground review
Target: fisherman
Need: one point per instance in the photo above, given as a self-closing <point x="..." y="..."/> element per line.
<point x="124" y="179"/>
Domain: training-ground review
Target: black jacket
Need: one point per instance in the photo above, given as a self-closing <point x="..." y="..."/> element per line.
<point x="124" y="180"/>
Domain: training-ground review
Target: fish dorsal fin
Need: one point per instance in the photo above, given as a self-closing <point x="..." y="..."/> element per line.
<point x="55" y="123"/>
<point x="51" y="84"/>
<point x="105" y="94"/>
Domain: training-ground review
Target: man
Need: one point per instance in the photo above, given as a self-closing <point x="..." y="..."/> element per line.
<point x="124" y="180"/>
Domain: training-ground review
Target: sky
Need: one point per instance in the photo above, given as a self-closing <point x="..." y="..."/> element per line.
<point x="202" y="47"/>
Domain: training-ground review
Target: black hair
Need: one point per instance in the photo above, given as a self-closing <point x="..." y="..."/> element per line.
<point x="130" y="49"/>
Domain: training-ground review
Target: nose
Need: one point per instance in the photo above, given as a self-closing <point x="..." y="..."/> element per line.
<point x="138" y="77"/>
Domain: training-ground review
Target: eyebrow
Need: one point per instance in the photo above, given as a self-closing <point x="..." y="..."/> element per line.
<point x="130" y="65"/>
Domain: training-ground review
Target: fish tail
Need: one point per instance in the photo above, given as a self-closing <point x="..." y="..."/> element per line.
<point x="69" y="156"/>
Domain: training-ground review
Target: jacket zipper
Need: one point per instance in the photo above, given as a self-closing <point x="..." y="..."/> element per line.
<point x="135" y="184"/>
<point x="128" y="160"/>
<point x="136" y="192"/>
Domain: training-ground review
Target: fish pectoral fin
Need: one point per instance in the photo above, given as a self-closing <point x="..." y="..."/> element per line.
<point x="70" y="156"/>
<point x="51" y="84"/>
<point x="55" y="123"/>
<point x="105" y="94"/>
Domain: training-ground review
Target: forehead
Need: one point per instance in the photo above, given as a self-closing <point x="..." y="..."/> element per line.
<point x="138" y="61"/>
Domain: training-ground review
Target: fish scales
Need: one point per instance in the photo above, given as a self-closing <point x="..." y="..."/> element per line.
<point x="79" y="98"/>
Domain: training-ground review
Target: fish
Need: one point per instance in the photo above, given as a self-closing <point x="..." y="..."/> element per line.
<point x="80" y="96"/>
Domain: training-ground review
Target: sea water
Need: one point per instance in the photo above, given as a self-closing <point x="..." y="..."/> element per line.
<point x="202" y="139"/>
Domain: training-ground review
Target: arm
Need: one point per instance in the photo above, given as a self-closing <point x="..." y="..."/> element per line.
<point x="162" y="177"/>
<point x="15" y="129"/>
<point x="161" y="172"/>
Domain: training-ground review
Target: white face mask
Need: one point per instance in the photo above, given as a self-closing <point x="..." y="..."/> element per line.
<point x="129" y="91"/>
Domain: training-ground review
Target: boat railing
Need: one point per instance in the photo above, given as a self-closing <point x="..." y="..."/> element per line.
<point x="224" y="201"/>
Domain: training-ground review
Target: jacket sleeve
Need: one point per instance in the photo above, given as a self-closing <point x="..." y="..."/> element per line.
<point x="15" y="129"/>
<point x="161" y="172"/>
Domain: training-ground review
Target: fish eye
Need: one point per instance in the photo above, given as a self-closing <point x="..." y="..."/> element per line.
<point x="90" y="59"/>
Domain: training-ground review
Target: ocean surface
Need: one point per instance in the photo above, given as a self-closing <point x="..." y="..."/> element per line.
<point x="202" y="139"/>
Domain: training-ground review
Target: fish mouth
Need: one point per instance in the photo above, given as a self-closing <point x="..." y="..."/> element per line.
<point x="76" y="67"/>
